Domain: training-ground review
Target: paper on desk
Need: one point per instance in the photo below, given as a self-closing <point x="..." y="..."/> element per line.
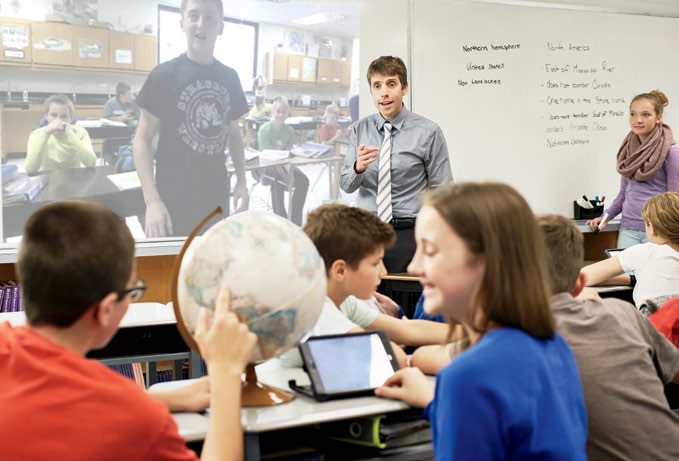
<point x="300" y="119"/>
<point x="273" y="155"/>
<point x="125" y="181"/>
<point x="98" y="123"/>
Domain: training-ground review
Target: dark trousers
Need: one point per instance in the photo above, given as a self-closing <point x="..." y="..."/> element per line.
<point x="396" y="259"/>
<point x="300" y="187"/>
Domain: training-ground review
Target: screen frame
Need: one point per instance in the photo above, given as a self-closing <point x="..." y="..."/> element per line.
<point x="317" y="387"/>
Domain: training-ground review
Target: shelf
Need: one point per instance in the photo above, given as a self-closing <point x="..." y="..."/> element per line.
<point x="164" y="247"/>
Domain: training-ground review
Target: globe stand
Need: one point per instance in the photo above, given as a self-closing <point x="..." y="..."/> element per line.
<point x="256" y="394"/>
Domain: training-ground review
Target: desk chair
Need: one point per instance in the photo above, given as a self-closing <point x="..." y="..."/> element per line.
<point x="340" y="148"/>
<point x="299" y="183"/>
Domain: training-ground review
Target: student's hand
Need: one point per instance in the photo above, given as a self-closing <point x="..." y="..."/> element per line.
<point x="158" y="222"/>
<point x="366" y="155"/>
<point x="226" y="344"/>
<point x="192" y="398"/>
<point x="594" y="224"/>
<point x="241" y="198"/>
<point x="409" y="385"/>
<point x="387" y="304"/>
<point x="57" y="127"/>
<point x="588" y="293"/>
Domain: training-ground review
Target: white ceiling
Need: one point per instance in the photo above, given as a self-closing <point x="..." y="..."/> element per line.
<point x="285" y="11"/>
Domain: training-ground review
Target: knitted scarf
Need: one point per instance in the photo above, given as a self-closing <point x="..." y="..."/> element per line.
<point x="641" y="161"/>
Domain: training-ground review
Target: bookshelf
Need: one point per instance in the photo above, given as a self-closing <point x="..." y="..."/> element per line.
<point x="148" y="333"/>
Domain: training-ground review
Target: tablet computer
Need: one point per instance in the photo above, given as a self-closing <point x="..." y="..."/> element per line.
<point x="612" y="252"/>
<point x="348" y="365"/>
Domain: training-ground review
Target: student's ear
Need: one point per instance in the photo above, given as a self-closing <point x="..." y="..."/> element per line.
<point x="104" y="311"/>
<point x="405" y="89"/>
<point x="338" y="270"/>
<point x="221" y="28"/>
<point x="580" y="284"/>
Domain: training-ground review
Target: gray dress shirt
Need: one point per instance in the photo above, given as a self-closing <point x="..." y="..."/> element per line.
<point x="419" y="161"/>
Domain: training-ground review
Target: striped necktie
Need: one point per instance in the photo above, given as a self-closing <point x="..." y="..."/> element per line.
<point x="384" y="177"/>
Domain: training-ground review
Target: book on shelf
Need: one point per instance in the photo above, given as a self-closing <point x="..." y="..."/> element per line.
<point x="10" y="296"/>
<point x="23" y="189"/>
<point x="132" y="371"/>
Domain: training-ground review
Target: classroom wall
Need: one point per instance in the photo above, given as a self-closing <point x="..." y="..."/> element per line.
<point x="141" y="16"/>
<point x="496" y="133"/>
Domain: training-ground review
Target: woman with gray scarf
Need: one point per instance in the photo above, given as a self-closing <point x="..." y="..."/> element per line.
<point x="648" y="162"/>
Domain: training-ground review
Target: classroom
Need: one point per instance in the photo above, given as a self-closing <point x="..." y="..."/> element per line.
<point x="532" y="94"/>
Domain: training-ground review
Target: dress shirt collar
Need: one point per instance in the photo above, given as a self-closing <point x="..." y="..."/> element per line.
<point x="396" y="122"/>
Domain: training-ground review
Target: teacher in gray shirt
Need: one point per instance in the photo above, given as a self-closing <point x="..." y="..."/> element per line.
<point x="416" y="158"/>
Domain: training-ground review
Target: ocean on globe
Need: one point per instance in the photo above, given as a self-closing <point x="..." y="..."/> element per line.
<point x="276" y="276"/>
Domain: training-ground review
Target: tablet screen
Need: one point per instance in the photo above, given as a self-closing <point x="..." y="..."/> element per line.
<point x="345" y="363"/>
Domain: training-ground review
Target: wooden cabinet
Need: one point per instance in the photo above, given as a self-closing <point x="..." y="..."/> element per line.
<point x="145" y="52"/>
<point x="52" y="43"/>
<point x="280" y="67"/>
<point x="58" y="44"/>
<point x="121" y="50"/>
<point x="324" y="74"/>
<point x="16" y="126"/>
<point x="90" y="47"/>
<point x="294" y="67"/>
<point x="345" y="78"/>
<point x="333" y="72"/>
<point x="309" y="69"/>
<point x="15" y="40"/>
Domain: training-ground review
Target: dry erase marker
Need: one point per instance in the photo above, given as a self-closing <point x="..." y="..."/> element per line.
<point x="604" y="218"/>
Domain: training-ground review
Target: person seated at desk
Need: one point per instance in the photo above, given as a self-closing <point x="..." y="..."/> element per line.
<point x="331" y="131"/>
<point x="624" y="362"/>
<point x="121" y="107"/>
<point x="351" y="242"/>
<point x="261" y="109"/>
<point x="276" y="135"/>
<point x="656" y="263"/>
<point x="76" y="268"/>
<point x="515" y="392"/>
<point x="59" y="144"/>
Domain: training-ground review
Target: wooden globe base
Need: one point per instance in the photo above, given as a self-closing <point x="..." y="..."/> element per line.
<point x="256" y="394"/>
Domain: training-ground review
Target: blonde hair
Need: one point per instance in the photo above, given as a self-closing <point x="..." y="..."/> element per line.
<point x="662" y="212"/>
<point x="656" y="97"/>
<point x="499" y="228"/>
<point x="62" y="100"/>
<point x="331" y="109"/>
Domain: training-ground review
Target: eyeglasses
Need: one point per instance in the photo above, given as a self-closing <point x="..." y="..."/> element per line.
<point x="136" y="292"/>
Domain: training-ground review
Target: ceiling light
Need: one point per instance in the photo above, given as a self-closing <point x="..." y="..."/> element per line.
<point x="317" y="18"/>
<point x="320" y="18"/>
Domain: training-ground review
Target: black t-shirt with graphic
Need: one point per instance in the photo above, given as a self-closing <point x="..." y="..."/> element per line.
<point x="195" y="103"/>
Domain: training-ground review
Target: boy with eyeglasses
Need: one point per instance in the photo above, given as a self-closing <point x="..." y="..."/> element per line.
<point x="75" y="264"/>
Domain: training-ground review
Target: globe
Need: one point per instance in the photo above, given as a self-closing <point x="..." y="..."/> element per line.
<point x="276" y="276"/>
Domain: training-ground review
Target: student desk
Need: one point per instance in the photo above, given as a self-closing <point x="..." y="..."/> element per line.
<point x="300" y="124"/>
<point x="334" y="162"/>
<point x="148" y="333"/>
<point x="301" y="411"/>
<point x="91" y="184"/>
<point x="110" y="131"/>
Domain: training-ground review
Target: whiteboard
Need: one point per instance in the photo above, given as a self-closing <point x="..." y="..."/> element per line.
<point x="538" y="97"/>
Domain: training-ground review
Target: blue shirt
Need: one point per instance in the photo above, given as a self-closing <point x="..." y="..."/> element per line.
<point x="419" y="161"/>
<point x="510" y="397"/>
